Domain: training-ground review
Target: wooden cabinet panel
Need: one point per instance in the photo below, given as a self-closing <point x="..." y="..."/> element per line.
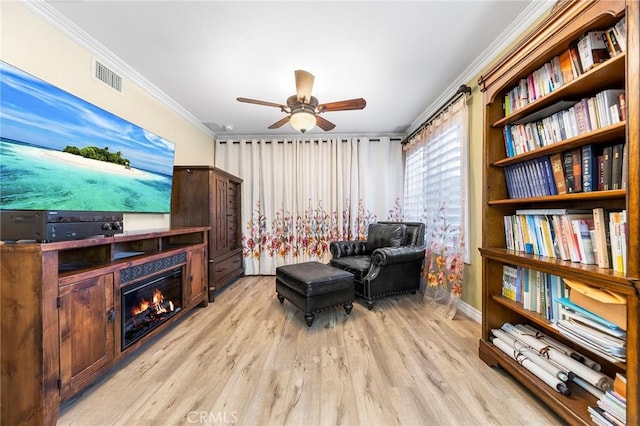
<point x="223" y="267"/>
<point x="196" y="276"/>
<point x="87" y="319"/>
<point x="209" y="196"/>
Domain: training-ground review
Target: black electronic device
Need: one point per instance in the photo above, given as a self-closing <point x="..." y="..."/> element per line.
<point x="46" y="226"/>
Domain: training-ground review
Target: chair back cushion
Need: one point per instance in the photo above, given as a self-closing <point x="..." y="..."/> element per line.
<point x="415" y="232"/>
<point x="385" y="235"/>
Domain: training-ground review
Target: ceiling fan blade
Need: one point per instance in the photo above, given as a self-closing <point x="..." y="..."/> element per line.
<point x="325" y="125"/>
<point x="280" y="122"/>
<point x="304" y="84"/>
<point x="358" y="103"/>
<point x="265" y="103"/>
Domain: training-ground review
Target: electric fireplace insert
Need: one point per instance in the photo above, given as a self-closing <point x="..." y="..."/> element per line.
<point x="149" y="303"/>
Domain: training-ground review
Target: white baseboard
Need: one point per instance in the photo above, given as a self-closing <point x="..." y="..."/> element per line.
<point x="470" y="311"/>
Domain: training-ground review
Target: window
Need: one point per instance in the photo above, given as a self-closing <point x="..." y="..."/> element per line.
<point x="435" y="176"/>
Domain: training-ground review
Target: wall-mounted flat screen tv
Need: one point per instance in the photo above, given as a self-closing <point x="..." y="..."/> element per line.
<point x="59" y="152"/>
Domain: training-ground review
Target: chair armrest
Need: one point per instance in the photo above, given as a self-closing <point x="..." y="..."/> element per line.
<point x="347" y="248"/>
<point x="392" y="255"/>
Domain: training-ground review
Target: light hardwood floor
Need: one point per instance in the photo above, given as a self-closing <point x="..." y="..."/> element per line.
<point x="247" y="359"/>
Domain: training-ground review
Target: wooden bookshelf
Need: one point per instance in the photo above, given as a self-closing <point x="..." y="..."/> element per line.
<point x="565" y="24"/>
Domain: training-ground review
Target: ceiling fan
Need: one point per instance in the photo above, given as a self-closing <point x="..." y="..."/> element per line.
<point x="303" y="110"/>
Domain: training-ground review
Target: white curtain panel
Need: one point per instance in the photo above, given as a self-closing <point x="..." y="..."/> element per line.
<point x="298" y="195"/>
<point x="436" y="194"/>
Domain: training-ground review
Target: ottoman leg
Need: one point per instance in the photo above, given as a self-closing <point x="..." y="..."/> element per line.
<point x="369" y="304"/>
<point x="347" y="307"/>
<point x="280" y="298"/>
<point x="309" y="318"/>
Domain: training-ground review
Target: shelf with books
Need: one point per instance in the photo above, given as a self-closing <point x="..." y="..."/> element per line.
<point x="606" y="75"/>
<point x="516" y="178"/>
<point x="599" y="136"/>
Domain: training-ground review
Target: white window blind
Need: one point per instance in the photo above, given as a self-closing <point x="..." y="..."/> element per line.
<point x="435" y="169"/>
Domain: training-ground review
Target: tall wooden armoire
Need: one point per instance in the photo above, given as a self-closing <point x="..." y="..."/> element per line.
<point x="207" y="196"/>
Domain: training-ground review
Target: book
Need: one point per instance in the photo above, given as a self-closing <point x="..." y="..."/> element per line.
<point x="575" y="60"/>
<point x="622" y="106"/>
<point x="616" y="166"/>
<point x="558" y="173"/>
<point x="618" y="238"/>
<point x="592" y="50"/>
<point x="624" y="180"/>
<point x="567" y="157"/>
<point x="581" y="228"/>
<point x="607" y="153"/>
<point x="601" y="242"/>
<point x="577" y="169"/>
<point x="620" y="30"/>
<point x="570" y="235"/>
<point x="509" y="282"/>
<point x="589" y="182"/>
<point x="566" y="67"/>
<point x="620" y="385"/>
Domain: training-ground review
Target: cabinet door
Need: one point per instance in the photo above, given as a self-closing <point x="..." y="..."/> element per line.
<point x="197" y="276"/>
<point x="87" y="319"/>
<point x="220" y="240"/>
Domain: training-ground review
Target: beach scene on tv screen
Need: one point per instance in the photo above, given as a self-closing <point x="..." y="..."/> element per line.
<point x="59" y="152"/>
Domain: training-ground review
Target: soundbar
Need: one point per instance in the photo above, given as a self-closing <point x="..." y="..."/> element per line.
<point x="46" y="226"/>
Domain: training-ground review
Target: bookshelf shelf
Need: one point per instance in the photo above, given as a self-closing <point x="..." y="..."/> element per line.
<point x="603" y="135"/>
<point x="615" y="280"/>
<point x="567" y="22"/>
<point x="577" y="196"/>
<point x="602" y="76"/>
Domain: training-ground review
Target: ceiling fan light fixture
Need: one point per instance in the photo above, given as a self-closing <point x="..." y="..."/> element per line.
<point x="302" y="120"/>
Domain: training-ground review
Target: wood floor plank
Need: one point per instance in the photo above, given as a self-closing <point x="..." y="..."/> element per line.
<point x="249" y="360"/>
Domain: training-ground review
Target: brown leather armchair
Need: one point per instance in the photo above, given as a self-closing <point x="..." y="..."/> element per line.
<point x="388" y="262"/>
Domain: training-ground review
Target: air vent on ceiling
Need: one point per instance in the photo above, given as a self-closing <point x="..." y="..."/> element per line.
<point x="107" y="76"/>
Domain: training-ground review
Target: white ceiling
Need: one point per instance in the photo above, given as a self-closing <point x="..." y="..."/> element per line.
<point x="404" y="57"/>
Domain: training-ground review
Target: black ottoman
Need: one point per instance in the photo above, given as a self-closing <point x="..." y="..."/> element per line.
<point x="314" y="287"/>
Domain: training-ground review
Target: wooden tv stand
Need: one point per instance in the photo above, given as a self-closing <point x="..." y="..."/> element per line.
<point x="60" y="311"/>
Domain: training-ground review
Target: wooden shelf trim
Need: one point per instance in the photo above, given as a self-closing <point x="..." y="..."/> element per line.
<point x="576" y="196"/>
<point x="616" y="280"/>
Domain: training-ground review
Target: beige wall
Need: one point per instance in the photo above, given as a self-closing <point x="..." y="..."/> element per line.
<point x="31" y="44"/>
<point x="472" y="292"/>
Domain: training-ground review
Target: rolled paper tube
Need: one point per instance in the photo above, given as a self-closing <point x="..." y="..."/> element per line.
<point x="544" y="363"/>
<point x="595" y="378"/>
<point x="562" y="347"/>
<point x="548" y="378"/>
<point x="586" y="386"/>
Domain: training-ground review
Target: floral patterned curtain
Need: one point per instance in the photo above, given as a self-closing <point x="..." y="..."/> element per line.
<point x="435" y="193"/>
<point x="298" y="195"/>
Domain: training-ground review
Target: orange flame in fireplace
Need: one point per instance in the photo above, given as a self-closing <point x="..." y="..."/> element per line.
<point x="156" y="303"/>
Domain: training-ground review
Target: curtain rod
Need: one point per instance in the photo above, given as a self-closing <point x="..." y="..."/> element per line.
<point x="316" y="140"/>
<point x="462" y="90"/>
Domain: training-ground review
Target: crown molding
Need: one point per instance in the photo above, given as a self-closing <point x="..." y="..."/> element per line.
<point x="71" y="30"/>
<point x="526" y="19"/>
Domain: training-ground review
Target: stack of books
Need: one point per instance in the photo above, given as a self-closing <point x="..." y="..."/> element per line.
<point x="592" y="332"/>
<point x="587" y="236"/>
<point x="611" y="409"/>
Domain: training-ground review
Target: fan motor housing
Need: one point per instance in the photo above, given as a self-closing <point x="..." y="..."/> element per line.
<point x="297" y="106"/>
